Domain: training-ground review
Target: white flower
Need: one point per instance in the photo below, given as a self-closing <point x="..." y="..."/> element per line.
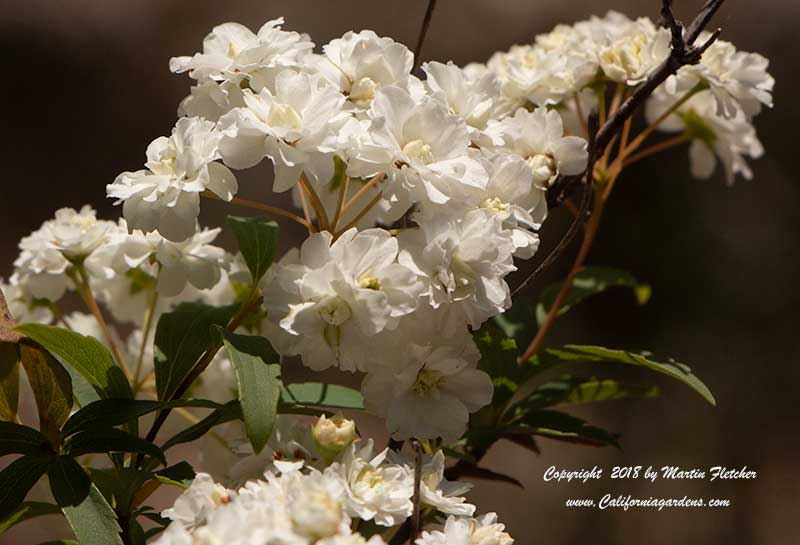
<point x="471" y="98"/>
<point x="419" y="146"/>
<point x="375" y="490"/>
<point x="21" y="304"/>
<point x="287" y="125"/>
<point x="715" y="135"/>
<point x="428" y="390"/>
<point x="231" y="52"/>
<point x="361" y="63"/>
<point x="339" y="295"/>
<point x="630" y="58"/>
<point x="332" y="435"/>
<point x="463" y="262"/>
<point x="196" y="502"/>
<point x="290" y="446"/>
<point x="538" y="137"/>
<point x="166" y="196"/>
<point x="77" y="234"/>
<point x="468" y="531"/>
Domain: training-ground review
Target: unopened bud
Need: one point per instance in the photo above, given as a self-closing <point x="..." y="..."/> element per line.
<point x="331" y="435"/>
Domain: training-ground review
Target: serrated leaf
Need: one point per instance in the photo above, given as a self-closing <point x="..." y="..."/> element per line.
<point x="9" y="381"/>
<point x="17" y="479"/>
<point x="108" y="413"/>
<point x="19" y="439"/>
<point x="86" y="354"/>
<point x="102" y="440"/>
<point x="678" y="371"/>
<point x="69" y="483"/>
<point x="51" y="387"/>
<point x="230" y="411"/>
<point x="258" y="239"/>
<point x="182" y="336"/>
<point x="258" y="377"/>
<point x="93" y="521"/>
<point x="26" y="511"/>
<point x="317" y="394"/>
<point x="590" y="281"/>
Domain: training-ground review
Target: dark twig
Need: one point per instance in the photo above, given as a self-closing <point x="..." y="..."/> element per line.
<point x="426" y="22"/>
<point x="583" y="208"/>
<point x="683" y="53"/>
<point x="417" y="498"/>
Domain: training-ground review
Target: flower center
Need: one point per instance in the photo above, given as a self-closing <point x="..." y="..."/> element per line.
<point x="334" y="310"/>
<point x="495" y="204"/>
<point x="427" y="381"/>
<point x="363" y="91"/>
<point x="368" y="282"/>
<point x="543" y="166"/>
<point x="283" y="115"/>
<point x="417" y="149"/>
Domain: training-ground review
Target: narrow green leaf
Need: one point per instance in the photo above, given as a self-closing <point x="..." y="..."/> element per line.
<point x="577" y="390"/>
<point x="86" y="354"/>
<point x="590" y="281"/>
<point x="108" y="413"/>
<point x="181" y="338"/>
<point x="181" y="475"/>
<point x="17" y="479"/>
<point x="19" y="439"/>
<point x="678" y="371"/>
<point x="9" y="381"/>
<point x="51" y="387"/>
<point x="230" y="411"/>
<point x="104" y="440"/>
<point x="69" y="483"/>
<point x="562" y="427"/>
<point x="258" y="377"/>
<point x="93" y="521"/>
<point x="26" y="511"/>
<point x="316" y="394"/>
<point x="258" y="238"/>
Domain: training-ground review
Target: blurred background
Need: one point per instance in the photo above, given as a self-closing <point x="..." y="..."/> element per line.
<point x="88" y="88"/>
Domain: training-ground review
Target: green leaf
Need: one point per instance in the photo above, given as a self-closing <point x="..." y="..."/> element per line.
<point x="93" y="521"/>
<point x="51" y="387"/>
<point x="19" y="439"/>
<point x="182" y="336"/>
<point x="17" y="479"/>
<point x="258" y="377"/>
<point x="104" y="440"/>
<point x="86" y="354"/>
<point x="577" y="390"/>
<point x="678" y="371"/>
<point x="258" y="238"/>
<point x="562" y="427"/>
<point x="9" y="381"/>
<point x="7" y="323"/>
<point x="26" y="511"/>
<point x="69" y="483"/>
<point x="590" y="281"/>
<point x="108" y="413"/>
<point x="499" y="360"/>
<point x="230" y="411"/>
<point x="315" y="394"/>
<point x="61" y="542"/>
<point x="181" y="475"/>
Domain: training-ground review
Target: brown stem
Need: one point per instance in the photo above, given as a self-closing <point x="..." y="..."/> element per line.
<point x="316" y="203"/>
<point x="343" y="188"/>
<point x="656" y="148"/>
<point x="260" y="206"/>
<point x="370" y="205"/>
<point x="426" y="22"/>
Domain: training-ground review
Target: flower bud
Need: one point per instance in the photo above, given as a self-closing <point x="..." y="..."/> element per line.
<point x="331" y="435"/>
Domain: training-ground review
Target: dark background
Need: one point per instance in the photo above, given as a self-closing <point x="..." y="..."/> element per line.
<point x="87" y="88"/>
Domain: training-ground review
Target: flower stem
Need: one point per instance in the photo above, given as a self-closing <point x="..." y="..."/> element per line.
<point x="370" y="205"/>
<point x="149" y="316"/>
<point x="316" y="203"/>
<point x="343" y="188"/>
<point x="261" y="207"/>
<point x="85" y="291"/>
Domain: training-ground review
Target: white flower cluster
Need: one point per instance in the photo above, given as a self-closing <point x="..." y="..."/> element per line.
<point x="418" y="194"/>
<point x="303" y="500"/>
